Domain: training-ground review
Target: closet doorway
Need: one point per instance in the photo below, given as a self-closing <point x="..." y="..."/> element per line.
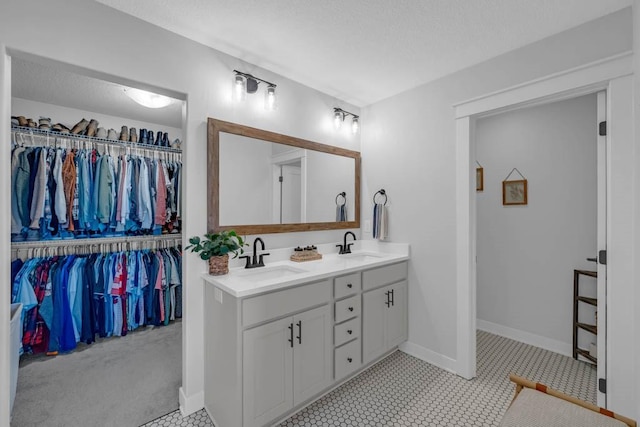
<point x="612" y="75"/>
<point x="527" y="250"/>
<point x="120" y="361"/>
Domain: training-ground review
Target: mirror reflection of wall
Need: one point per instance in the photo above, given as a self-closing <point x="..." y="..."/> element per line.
<point x="268" y="183"/>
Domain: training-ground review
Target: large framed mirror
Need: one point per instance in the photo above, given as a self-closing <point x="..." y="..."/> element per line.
<point x="263" y="182"/>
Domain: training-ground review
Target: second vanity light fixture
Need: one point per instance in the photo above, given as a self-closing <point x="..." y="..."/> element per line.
<point x="339" y="115"/>
<point x="244" y="83"/>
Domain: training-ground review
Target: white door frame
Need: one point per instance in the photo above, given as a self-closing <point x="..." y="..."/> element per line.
<point x="5" y="231"/>
<point x="582" y="80"/>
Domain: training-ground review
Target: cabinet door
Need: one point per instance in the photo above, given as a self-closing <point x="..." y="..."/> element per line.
<point x="312" y="351"/>
<point x="373" y="314"/>
<point x="267" y="374"/>
<point x="396" y="315"/>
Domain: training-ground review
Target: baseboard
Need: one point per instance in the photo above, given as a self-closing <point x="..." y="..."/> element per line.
<point x="525" y="337"/>
<point x="429" y="356"/>
<point x="191" y="404"/>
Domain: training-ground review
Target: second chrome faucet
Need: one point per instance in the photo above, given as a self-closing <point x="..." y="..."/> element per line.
<point x="255" y="260"/>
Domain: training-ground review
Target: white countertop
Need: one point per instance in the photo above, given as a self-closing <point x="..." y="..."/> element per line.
<point x="279" y="272"/>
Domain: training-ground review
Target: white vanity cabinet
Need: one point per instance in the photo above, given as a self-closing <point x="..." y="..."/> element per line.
<point x="269" y="353"/>
<point x="384" y="310"/>
<point x="285" y="362"/>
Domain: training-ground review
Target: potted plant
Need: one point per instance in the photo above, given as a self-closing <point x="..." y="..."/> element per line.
<point x="215" y="248"/>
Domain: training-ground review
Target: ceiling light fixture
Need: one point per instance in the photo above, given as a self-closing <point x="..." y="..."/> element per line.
<point x="148" y="99"/>
<point x="339" y="115"/>
<point x="246" y="83"/>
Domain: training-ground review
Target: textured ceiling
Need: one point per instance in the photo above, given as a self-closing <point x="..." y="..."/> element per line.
<point x="55" y="85"/>
<point x="362" y="51"/>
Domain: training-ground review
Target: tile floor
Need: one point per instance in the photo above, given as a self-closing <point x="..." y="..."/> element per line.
<point x="405" y="391"/>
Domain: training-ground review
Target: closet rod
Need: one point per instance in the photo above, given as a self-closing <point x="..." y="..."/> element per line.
<point x="97" y="241"/>
<point x="31" y="132"/>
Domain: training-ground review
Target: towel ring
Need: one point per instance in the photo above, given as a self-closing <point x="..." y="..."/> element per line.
<point x="382" y="193"/>
<point x="344" y="196"/>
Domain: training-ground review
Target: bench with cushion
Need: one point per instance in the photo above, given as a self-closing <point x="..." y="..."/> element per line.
<point x="536" y="405"/>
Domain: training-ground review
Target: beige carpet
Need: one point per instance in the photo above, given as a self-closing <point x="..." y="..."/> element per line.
<point x="122" y="381"/>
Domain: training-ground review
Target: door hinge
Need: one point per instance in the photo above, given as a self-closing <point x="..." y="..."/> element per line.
<point x="602" y="257"/>
<point x="280" y="178"/>
<point x="602" y="385"/>
<point x="602" y="128"/>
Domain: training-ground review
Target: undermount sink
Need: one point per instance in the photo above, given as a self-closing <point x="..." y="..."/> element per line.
<point x="362" y="257"/>
<point x="268" y="272"/>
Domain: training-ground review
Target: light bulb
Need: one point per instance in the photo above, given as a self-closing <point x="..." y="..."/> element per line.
<point x="148" y="99"/>
<point x="355" y="125"/>
<point x="337" y="119"/>
<point x="270" y="98"/>
<point x="239" y="88"/>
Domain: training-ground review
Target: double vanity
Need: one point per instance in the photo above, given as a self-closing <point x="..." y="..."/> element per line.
<point x="280" y="336"/>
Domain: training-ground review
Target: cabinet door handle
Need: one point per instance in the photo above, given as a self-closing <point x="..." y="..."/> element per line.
<point x="349" y="285"/>
<point x="349" y="331"/>
<point x="350" y="308"/>
<point x="388" y="302"/>
<point x="299" y="331"/>
<point x="349" y="359"/>
<point x="392" y="298"/>
<point x="290" y="334"/>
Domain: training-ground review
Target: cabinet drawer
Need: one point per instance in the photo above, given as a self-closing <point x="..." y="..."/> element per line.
<point x="264" y="307"/>
<point x="346" y="331"/>
<point x="347" y="359"/>
<point x="377" y="277"/>
<point x="346" y="285"/>
<point x="347" y="308"/>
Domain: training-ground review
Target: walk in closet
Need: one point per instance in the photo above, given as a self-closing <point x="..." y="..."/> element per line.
<point x="96" y="248"/>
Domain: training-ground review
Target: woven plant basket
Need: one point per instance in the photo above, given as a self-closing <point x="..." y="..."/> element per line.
<point x="219" y="265"/>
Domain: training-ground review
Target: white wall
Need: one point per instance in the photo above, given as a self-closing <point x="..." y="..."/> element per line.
<point x="636" y="209"/>
<point x="126" y="50"/>
<point x="409" y="149"/>
<point x="527" y="254"/>
<point x="70" y="116"/>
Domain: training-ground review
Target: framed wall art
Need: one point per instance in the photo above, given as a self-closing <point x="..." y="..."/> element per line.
<point x="514" y="192"/>
<point x="479" y="177"/>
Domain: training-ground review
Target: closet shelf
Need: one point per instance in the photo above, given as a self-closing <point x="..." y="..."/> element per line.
<point x="591" y="328"/>
<point x="588" y="300"/>
<point x="91" y="139"/>
<point x="587" y="273"/>
<point x="95" y="241"/>
<point x="577" y="325"/>
<point x="584" y="353"/>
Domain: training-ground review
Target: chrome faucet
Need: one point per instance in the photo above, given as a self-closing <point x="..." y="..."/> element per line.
<point x="255" y="261"/>
<point x="346" y="248"/>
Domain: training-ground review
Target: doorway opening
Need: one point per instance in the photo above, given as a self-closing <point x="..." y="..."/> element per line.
<point x="82" y="119"/>
<point x="527" y="250"/>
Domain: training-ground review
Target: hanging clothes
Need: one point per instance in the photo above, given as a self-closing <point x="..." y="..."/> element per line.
<point x="78" y="193"/>
<point x="72" y="299"/>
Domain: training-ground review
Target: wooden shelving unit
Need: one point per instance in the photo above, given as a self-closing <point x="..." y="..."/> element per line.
<point x="577" y="325"/>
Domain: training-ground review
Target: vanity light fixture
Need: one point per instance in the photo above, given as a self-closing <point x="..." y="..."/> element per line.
<point x="246" y="83"/>
<point x="339" y="115"/>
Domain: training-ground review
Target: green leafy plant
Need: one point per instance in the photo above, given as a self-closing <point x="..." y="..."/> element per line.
<point x="217" y="244"/>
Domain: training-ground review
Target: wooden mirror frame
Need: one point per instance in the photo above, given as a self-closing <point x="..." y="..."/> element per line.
<point x="214" y="127"/>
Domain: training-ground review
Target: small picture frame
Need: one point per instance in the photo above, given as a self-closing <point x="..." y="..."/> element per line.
<point x="480" y="179"/>
<point x="514" y="192"/>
